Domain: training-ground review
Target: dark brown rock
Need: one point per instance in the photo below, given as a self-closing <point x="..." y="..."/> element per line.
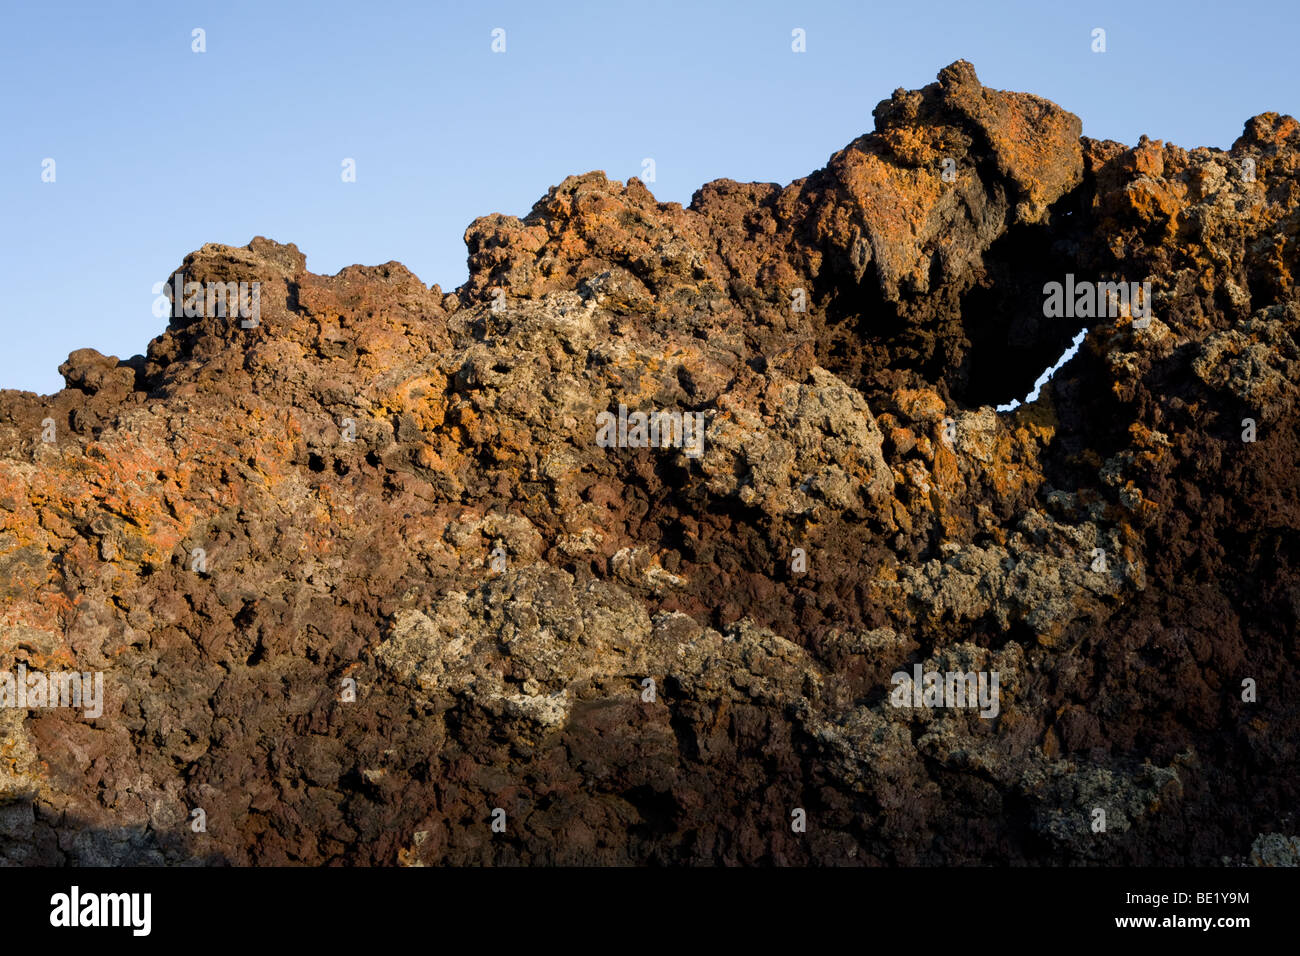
<point x="642" y="655"/>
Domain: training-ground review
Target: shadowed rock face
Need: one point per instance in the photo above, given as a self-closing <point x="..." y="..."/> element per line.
<point x="386" y="487"/>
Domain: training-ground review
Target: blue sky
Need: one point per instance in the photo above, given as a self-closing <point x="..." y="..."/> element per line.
<point x="159" y="149"/>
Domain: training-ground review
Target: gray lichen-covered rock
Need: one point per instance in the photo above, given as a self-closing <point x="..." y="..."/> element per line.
<point x="362" y="575"/>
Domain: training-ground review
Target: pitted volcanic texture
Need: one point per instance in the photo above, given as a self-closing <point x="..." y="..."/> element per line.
<point x="399" y="489"/>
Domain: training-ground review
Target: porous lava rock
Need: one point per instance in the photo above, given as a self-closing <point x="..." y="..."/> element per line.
<point x="365" y="589"/>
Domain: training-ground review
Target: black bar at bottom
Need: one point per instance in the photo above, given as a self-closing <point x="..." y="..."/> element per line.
<point x="347" y="907"/>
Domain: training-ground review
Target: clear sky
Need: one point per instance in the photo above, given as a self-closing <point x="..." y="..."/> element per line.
<point x="159" y="149"/>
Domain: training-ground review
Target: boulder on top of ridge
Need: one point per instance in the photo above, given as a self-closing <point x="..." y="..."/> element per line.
<point x="948" y="170"/>
<point x="89" y="371"/>
<point x="363" y="315"/>
<point x="586" y="226"/>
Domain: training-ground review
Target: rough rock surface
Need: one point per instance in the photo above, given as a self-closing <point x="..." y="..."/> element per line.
<point x="388" y="487"/>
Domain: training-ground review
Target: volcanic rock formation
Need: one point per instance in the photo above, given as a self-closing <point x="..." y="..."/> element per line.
<point x="364" y="589"/>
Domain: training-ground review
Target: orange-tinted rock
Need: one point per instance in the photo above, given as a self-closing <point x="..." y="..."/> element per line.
<point x="360" y="571"/>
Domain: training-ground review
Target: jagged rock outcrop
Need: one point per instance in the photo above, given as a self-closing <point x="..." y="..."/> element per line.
<point x="358" y="574"/>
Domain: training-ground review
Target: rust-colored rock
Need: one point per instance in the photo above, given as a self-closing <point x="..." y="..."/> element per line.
<point x="358" y="574"/>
